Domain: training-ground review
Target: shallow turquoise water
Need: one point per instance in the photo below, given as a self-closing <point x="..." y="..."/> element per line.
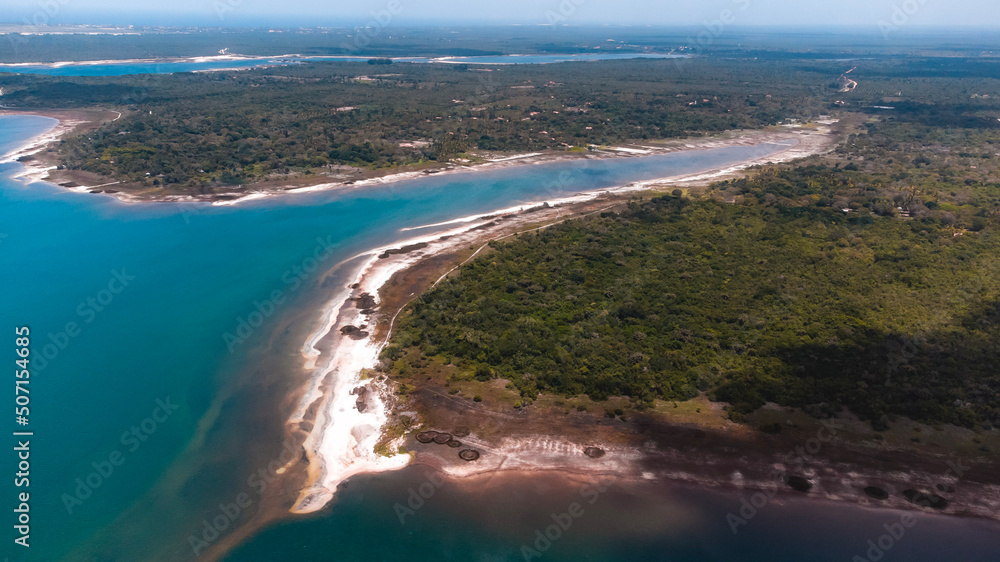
<point x="159" y="67"/>
<point x="152" y="288"/>
<point x="192" y="272"/>
<point x="113" y="68"/>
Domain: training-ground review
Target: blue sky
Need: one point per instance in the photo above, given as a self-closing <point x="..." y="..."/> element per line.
<point x="867" y="13"/>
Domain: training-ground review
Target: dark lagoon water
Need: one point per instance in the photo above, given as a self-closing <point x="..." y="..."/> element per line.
<point x="146" y="379"/>
<point x="121" y="68"/>
<point x="143" y="419"/>
<point x="503" y="518"/>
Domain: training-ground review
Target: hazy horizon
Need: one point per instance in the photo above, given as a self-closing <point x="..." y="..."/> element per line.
<point x="872" y="14"/>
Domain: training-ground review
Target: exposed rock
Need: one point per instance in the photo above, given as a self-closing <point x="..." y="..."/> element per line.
<point x="427" y="436"/>
<point x="365" y="301"/>
<point x="798" y="483"/>
<point x="877" y="493"/>
<point x="403" y="250"/>
<point x="354" y="332"/>
<point x="468" y="454"/>
<point x="922" y="499"/>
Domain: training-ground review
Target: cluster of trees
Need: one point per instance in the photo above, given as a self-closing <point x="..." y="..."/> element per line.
<point x="947" y="172"/>
<point x="217" y="128"/>
<point x="953" y="204"/>
<point x="778" y="298"/>
<point x="223" y="127"/>
<point x="867" y="281"/>
<point x="157" y="41"/>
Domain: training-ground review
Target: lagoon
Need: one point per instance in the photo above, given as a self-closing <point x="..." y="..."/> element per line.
<point x="146" y="377"/>
<point x="208" y="64"/>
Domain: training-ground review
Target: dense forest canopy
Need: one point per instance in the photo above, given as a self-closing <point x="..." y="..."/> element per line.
<point x="194" y="131"/>
<point x="104" y="42"/>
<point x="866" y="280"/>
<point x="781" y="297"/>
<point x="228" y="128"/>
<point x="198" y="129"/>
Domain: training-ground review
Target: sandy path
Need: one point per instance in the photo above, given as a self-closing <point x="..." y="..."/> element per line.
<point x="342" y="439"/>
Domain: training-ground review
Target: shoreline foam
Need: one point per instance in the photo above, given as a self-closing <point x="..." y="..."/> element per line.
<point x="819" y="143"/>
<point x="66" y="121"/>
<point x="342" y="439"/>
<point x="297" y="57"/>
<point x="341" y="442"/>
<point x="33" y="146"/>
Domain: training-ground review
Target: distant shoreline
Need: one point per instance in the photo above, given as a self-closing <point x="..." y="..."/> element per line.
<point x="442" y="59"/>
<point x="850" y="458"/>
<point x="38" y="165"/>
<point x="732" y="458"/>
<point x="338" y="358"/>
<point x="41" y="166"/>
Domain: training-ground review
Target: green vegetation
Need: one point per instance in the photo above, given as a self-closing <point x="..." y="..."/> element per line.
<point x="372" y="41"/>
<point x="865" y="279"/>
<point x="225" y="128"/>
<point x="328" y="120"/>
<point x="780" y="298"/>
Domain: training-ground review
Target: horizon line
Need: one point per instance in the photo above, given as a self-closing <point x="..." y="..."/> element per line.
<point x="479" y="24"/>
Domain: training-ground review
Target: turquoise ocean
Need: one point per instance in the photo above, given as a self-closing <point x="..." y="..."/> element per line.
<point x="144" y="420"/>
<point x="166" y="66"/>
